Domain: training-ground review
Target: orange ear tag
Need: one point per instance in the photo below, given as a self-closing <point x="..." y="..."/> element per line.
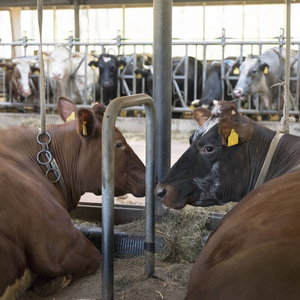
<point x="233" y="138"/>
<point x="71" y="117"/>
<point x="84" y="131"/>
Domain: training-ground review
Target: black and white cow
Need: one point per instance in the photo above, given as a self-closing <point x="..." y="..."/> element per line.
<point x="109" y="66"/>
<point x="213" y="84"/>
<point x="225" y="159"/>
<point x="259" y="74"/>
<point x="178" y="68"/>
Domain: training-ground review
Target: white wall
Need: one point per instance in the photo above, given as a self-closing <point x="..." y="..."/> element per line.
<point x="249" y="22"/>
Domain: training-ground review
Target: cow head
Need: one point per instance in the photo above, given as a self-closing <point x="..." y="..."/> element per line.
<point x="108" y="65"/>
<point x="60" y="62"/>
<point x="129" y="170"/>
<point x="251" y="80"/>
<point x="205" y="174"/>
<point x="21" y="70"/>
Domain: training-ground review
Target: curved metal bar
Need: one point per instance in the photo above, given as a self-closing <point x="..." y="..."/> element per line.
<point x="108" y="169"/>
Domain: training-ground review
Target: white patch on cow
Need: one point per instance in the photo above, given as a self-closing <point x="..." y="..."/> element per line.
<point x="19" y="286"/>
<point x="106" y="59"/>
<point x="209" y="124"/>
<point x="209" y="184"/>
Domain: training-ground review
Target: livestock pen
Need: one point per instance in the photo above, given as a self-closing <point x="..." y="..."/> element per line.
<point x="182" y="99"/>
<point x="182" y="92"/>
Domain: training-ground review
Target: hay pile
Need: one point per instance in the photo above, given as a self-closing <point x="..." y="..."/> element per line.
<point x="182" y="232"/>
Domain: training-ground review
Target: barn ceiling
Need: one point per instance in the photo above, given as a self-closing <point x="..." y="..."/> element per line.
<point x="6" y="4"/>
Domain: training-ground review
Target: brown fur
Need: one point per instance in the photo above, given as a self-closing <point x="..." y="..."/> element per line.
<point x="36" y="232"/>
<point x="255" y="251"/>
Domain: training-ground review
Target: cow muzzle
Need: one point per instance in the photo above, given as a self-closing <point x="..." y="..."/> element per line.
<point x="168" y="195"/>
<point x="238" y="93"/>
<point x="26" y="92"/>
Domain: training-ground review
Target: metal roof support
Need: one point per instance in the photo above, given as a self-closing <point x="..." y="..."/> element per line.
<point x="162" y="86"/>
<point x="77" y="22"/>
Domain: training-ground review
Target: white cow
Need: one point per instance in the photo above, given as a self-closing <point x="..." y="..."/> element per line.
<point x="62" y="72"/>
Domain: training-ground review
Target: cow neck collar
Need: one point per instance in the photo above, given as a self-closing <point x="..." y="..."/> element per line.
<point x="267" y="162"/>
<point x="52" y="166"/>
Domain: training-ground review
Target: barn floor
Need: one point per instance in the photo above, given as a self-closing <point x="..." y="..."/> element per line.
<point x="131" y="282"/>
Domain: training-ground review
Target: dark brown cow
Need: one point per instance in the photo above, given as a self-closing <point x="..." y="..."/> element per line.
<point x="214" y="170"/>
<point x="38" y="243"/>
<point x="17" y="77"/>
<point x="254" y="254"/>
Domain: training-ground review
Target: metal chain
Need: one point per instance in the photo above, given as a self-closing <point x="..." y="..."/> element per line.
<point x="45" y="157"/>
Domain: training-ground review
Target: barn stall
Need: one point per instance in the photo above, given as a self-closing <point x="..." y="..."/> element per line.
<point x="160" y="105"/>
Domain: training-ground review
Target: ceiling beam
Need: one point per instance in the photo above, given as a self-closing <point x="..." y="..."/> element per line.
<point x="6" y="4"/>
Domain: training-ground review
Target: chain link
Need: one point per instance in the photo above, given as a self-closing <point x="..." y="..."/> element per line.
<point x="45" y="157"/>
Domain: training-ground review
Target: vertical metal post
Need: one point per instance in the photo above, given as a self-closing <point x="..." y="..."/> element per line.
<point x="162" y="86"/>
<point x="77" y="24"/>
<point x="286" y="106"/>
<point x="108" y="170"/>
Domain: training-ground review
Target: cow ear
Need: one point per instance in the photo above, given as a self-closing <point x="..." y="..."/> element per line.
<point x="86" y="122"/>
<point x="265" y="68"/>
<point x="121" y="64"/>
<point x="93" y="64"/>
<point x="5" y="67"/>
<point x="35" y="70"/>
<point x="201" y="115"/>
<point x="99" y="110"/>
<point x="66" y="108"/>
<point x="235" y="130"/>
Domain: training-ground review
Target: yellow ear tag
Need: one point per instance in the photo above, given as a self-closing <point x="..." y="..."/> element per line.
<point x="266" y="70"/>
<point x="71" y="117"/>
<point x="4" y="68"/>
<point x="36" y="72"/>
<point x="121" y="67"/>
<point x="84" y="131"/>
<point x="233" y="138"/>
<point x="93" y="67"/>
<point x="139" y="76"/>
<point x="236" y="71"/>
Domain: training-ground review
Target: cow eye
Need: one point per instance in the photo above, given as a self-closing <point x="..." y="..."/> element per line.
<point x="209" y="149"/>
<point x="254" y="71"/>
<point x="119" y="145"/>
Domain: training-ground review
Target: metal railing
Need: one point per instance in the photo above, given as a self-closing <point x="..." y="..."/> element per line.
<point x="199" y="50"/>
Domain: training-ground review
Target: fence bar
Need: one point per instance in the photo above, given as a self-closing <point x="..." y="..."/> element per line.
<point x="108" y="169"/>
<point x="286" y="106"/>
<point x="162" y="85"/>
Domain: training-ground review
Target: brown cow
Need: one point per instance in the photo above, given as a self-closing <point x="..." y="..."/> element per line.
<point x="18" y="77"/>
<point x="39" y="246"/>
<point x="254" y="254"/>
